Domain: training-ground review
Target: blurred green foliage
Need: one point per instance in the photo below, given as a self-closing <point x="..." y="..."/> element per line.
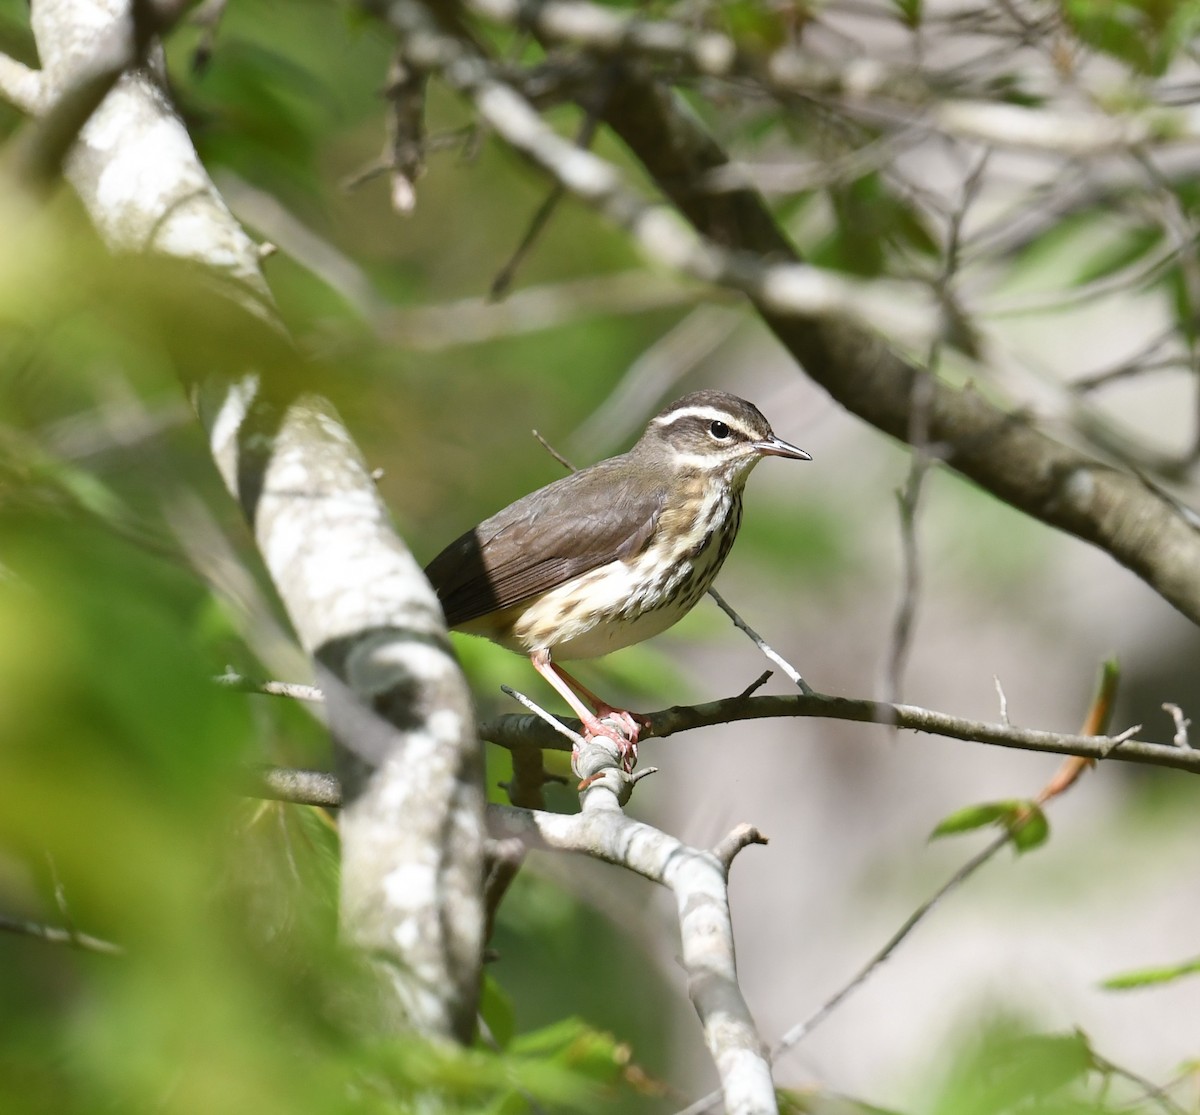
<point x="121" y="765"/>
<point x="1145" y="34"/>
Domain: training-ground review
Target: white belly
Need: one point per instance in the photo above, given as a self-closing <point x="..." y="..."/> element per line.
<point x="623" y="597"/>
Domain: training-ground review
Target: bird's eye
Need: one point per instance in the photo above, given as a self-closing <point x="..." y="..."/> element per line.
<point x="719" y="430"/>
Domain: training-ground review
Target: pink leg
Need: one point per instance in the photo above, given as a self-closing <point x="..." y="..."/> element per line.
<point x="634" y="721"/>
<point x="567" y="687"/>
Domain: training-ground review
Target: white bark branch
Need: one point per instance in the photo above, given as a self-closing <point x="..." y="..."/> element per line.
<point x="903" y="92"/>
<point x="784" y="288"/>
<point x="699" y="880"/>
<point x="697" y="877"/>
<point x="22" y="87"/>
<point x="399" y="708"/>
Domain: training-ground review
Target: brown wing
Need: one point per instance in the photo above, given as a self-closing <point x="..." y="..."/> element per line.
<point x="578" y="523"/>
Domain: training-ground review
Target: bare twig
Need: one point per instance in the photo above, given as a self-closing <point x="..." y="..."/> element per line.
<point x="405" y="154"/>
<point x="741" y="837"/>
<point x="1151" y="1090"/>
<point x="301" y="787"/>
<point x="477" y="320"/>
<point x="924" y="454"/>
<point x="1003" y="698"/>
<point x="557" y="725"/>
<point x="294" y="690"/>
<point x="553" y="452"/>
<point x="1181" y="724"/>
<point x="1097" y="717"/>
<point x="208" y="18"/>
<point x="757" y="683"/>
<point x="801" y="1030"/>
<point x="57" y="936"/>
<point x="503" y="860"/>
<point x="768" y="652"/>
<point x="541" y="217"/>
<point x="22" y="87"/>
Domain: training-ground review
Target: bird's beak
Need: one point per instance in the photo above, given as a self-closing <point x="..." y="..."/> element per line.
<point x="777" y="447"/>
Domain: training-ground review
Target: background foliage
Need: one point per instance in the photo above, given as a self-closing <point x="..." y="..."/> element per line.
<point x="127" y="582"/>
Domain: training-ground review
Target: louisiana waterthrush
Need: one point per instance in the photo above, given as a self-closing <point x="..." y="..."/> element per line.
<point x="614" y="553"/>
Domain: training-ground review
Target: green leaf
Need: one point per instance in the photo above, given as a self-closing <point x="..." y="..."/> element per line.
<point x="1147" y="977"/>
<point x="870" y="219"/>
<point x="1025" y="822"/>
<point x="1029" y="829"/>
<point x="1125" y="248"/>
<point x="755" y="25"/>
<point x="573" y="1044"/>
<point x="973" y="817"/>
<point x="496" y="1007"/>
<point x="1144" y="34"/>
<point x="1012" y="1070"/>
<point x="910" y="11"/>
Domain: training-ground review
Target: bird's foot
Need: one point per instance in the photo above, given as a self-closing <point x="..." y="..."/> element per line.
<point x="619" y="726"/>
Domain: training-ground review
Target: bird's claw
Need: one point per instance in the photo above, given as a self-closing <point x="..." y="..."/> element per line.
<point x="622" y="728"/>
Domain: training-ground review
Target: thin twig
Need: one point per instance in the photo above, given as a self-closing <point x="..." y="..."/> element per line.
<point x="1003" y="700"/>
<point x="524" y="731"/>
<point x="923" y="455"/>
<point x="1151" y="1090"/>
<point x="548" y="718"/>
<point x="733" y="842"/>
<point x="541" y="217"/>
<point x="294" y="690"/>
<point x="762" y="645"/>
<point x="757" y="683"/>
<point x="802" y="1029"/>
<point x="57" y="936"/>
<point x="553" y="452"/>
<point x="1181" y="724"/>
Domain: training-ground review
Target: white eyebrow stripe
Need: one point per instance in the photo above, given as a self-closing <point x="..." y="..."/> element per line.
<point x="711" y="414"/>
<point x="702" y="461"/>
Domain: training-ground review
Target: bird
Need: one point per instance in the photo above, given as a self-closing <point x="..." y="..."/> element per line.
<point x="612" y="554"/>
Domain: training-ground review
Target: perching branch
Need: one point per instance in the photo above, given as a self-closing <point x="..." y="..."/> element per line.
<point x="523" y="733"/>
<point x="699" y="880"/>
<point x="516" y="730"/>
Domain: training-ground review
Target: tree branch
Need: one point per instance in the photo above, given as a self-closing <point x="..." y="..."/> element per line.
<point x="21" y="87"/>
<point x="1002" y="452"/>
<point x="398" y="705"/>
<point x="819" y="322"/>
<point x="524" y="735"/>
<point x="699" y="880"/>
<point x="517" y="730"/>
<point x="787" y="288"/>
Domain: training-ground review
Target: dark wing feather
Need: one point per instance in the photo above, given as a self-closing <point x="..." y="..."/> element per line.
<point x="583" y="521"/>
